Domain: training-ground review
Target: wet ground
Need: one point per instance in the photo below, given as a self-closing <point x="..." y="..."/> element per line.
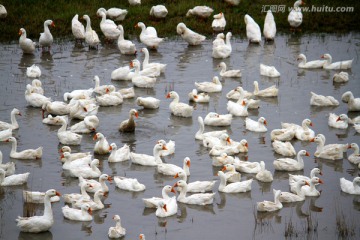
<point x="70" y="67"/>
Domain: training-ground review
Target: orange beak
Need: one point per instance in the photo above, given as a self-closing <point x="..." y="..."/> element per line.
<point x="53" y="24"/>
<point x="338" y="119"/>
<point x="228" y="140"/>
<point x="164" y="148"/>
<point x="90" y="211"/>
<point x="168" y="95"/>
<point x="322" y="56"/>
<point x="321" y="173"/>
<point x="136" y="114"/>
<point x="173" y="190"/>
<point x="188" y="163"/>
<point x="320" y="181"/>
<point x="311" y="124"/>
<point x="306" y="183"/>
<point x="131" y="64"/>
<point x="312" y="140"/>
<point x="136" y="25"/>
<point x="107" y="90"/>
<point x="349" y="146"/>
<point x="95" y="137"/>
<point x="307" y="154"/>
<point x="62" y="156"/>
<point x="109" y="179"/>
<point x="175" y="185"/>
<point x="246" y="145"/>
<point x="110" y="148"/>
<point x="195" y="96"/>
<point x="105" y="194"/>
<point x="265" y="123"/>
<point x="176" y="175"/>
<point x="60" y="151"/>
<point x="243" y="103"/>
<point x="58" y="194"/>
<point x="223" y="169"/>
<point x="164" y="207"/>
<point x="20" y="32"/>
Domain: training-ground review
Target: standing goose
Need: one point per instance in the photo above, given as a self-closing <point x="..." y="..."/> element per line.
<point x="42" y="223"/>
<point x="223" y="50"/>
<point x="91" y="37"/>
<point x="108" y="27"/>
<point x="14" y="124"/>
<point x="26" y="44"/>
<point x="46" y="38"/>
<point x="25" y="154"/>
<point x="148" y="36"/>
<point x="78" y="29"/>
<point x="253" y="32"/>
<point x="178" y="108"/>
<point x="118" y="231"/>
<point x="3" y="12"/>
<point x="125" y="46"/>
<point x="295" y="16"/>
<point x="191" y="37"/>
<point x="117" y="14"/>
<point x="219" y="22"/>
<point x="158" y="11"/>
<point x="269" y="27"/>
<point x="129" y="124"/>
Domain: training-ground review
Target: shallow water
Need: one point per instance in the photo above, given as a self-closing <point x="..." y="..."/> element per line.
<point x="69" y="67"/>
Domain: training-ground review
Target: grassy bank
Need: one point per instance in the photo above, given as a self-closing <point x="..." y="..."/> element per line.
<point x="31" y="14"/>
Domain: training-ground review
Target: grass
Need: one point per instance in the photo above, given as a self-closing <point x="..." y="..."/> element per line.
<point x="308" y="230"/>
<point x="30" y="14"/>
<point x="345" y="227"/>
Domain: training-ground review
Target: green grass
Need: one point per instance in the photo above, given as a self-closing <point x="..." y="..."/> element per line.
<point x="30" y="14"/>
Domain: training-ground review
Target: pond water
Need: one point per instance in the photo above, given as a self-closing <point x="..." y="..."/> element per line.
<point x="70" y="67"/>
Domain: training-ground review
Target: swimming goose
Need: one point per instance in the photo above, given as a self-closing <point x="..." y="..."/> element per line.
<point x="119" y="155"/>
<point x="341" y="77"/>
<point x="191" y="37"/>
<point x="93" y="186"/>
<point x="140" y="80"/>
<point x="289" y="164"/>
<point x="237" y="93"/>
<point x="78" y="94"/>
<point x="219" y="40"/>
<point x="170" y="147"/>
<point x="209" y="87"/>
<point x="158" y="11"/>
<point x="341" y="121"/>
<point x="200" y="11"/>
<point x="95" y="204"/>
<point x="310" y="190"/>
<point x="147" y="64"/>
<point x="268" y="206"/>
<point x="197" y="186"/>
<point x="101" y="89"/>
<point x="219" y="22"/>
<point x="46" y="38"/>
<point x="129" y="124"/>
<point x="125" y="46"/>
<point x="36" y="224"/>
<point x="303" y="132"/>
<point x="33" y="71"/>
<point x="323" y="101"/>
<point x="269" y="30"/>
<point x="238" y="108"/>
<point x="197" y="198"/>
<point x="67" y="137"/>
<point x="14" y="124"/>
<point x="88" y="125"/>
<point x="72" y="197"/>
<point x="118" y="231"/>
<point x="264" y="175"/>
<point x="91" y="37"/>
<point x="38" y="197"/>
<point x="223" y="140"/>
<point x="129" y="184"/>
<point x="253" y="32"/>
<point x="350" y="187"/>
<point x="294" y="178"/>
<point x="172" y="169"/>
<point x="287" y="197"/>
<point x="329" y="151"/>
<point x="73" y="156"/>
<point x="87" y="171"/>
<point x="55" y="107"/>
<point x="153" y="201"/>
<point x="35" y="99"/>
<point x="228" y="73"/>
<point x="148" y="102"/>
<point x="231" y="175"/>
<point x="74" y="163"/>
<point x="148" y="160"/>
<point x="256" y="126"/>
<point x="353" y="103"/>
<point x="355" y="156"/>
<point x="102" y="145"/>
<point x="336" y="65"/>
<point x="25" y="154"/>
<point x="77" y="29"/>
<point x="13" y="180"/>
<point x="166" y="208"/>
<point x="195" y="96"/>
<point x="282" y="134"/>
<point x="223" y="50"/>
<point x="127" y="92"/>
<point x="26" y="44"/>
<point x="110" y="99"/>
<point x="178" y="108"/>
<point x="235" y="187"/>
<point x="269" y="71"/>
<point x="222" y="159"/>
<point x="117" y="14"/>
<point x="312" y="64"/>
<point x="200" y="133"/>
<point x="241" y="147"/>
<point x="247" y="167"/>
<point x="295" y="16"/>
<point x="148" y="36"/>
<point x="83" y="214"/>
<point x="284" y="148"/>
<point x="36" y="87"/>
<point x="219" y="120"/>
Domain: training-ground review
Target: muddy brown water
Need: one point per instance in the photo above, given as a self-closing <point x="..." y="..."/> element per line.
<point x="70" y="67"/>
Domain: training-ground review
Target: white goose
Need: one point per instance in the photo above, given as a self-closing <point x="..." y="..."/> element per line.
<point x="55" y="107"/>
<point x="77" y="29"/>
<point x="95" y="204"/>
<point x="166" y="208"/>
<point x="148" y="160"/>
<point x="196" y="199"/>
<point x="140" y="80"/>
<point x="78" y="94"/>
<point x="256" y="126"/>
<point x="264" y="175"/>
<point x="119" y="155"/>
<point x="73" y="156"/>
<point x="178" y="108"/>
<point x="191" y="37"/>
<point x="223" y="50"/>
<point x="233" y="2"/>
<point x="268" y="206"/>
<point x="228" y="73"/>
<point x="93" y="186"/>
<point x="287" y="197"/>
<point x="125" y="46"/>
<point x="3" y="12"/>
<point x="170" y="147"/>
<point x="253" y="32"/>
<point x="102" y="145"/>
<point x="25" y="154"/>
<point x="269" y="30"/>
<point x="237" y="93"/>
<point x="72" y="197"/>
<point x="36" y="224"/>
<point x="219" y="40"/>
<point x="210" y="142"/>
<point x="269" y="71"/>
<point x="231" y="175"/>
<point x="91" y="37"/>
<point x="336" y="65"/>
<point x="357" y="127"/>
<point x="200" y="11"/>
<point x="117" y="14"/>
<point x="195" y="96"/>
<point x="26" y="44"/>
<point x="14" y="124"/>
<point x="147" y="64"/>
<point x="101" y="89"/>
<point x="267" y="92"/>
<point x="13" y="180"/>
<point x="172" y="169"/>
<point x="197" y="186"/>
<point x="83" y="214"/>
<point x="8" y="167"/>
<point x="200" y="133"/>
<point x="221" y="159"/>
<point x="284" y="148"/>
<point x="38" y="197"/>
<point x="46" y="38"/>
<point x="236" y="187"/>
<point x="33" y="71"/>
<point x="67" y="137"/>
<point x="35" y="99"/>
<point x="303" y="132"/>
<point x="71" y="164"/>
<point x="350" y="187"/>
<point x="87" y="172"/>
<point x="353" y="103"/>
<point x="338" y="121"/>
<point x="295" y="16"/>
<point x="219" y="120"/>
<point x="241" y="147"/>
<point x="129" y="184"/>
<point x="148" y="36"/>
<point x="127" y="92"/>
<point x="153" y="201"/>
<point x="36" y="86"/>
<point x="282" y="134"/>
<point x="133" y="3"/>
<point x="310" y="190"/>
<point x="294" y="178"/>
<point x="289" y="164"/>
<point x="312" y="64"/>
<point x="355" y="156"/>
<point x="247" y="167"/>
<point x="322" y="101"/>
<point x="118" y="231"/>
<point x="128" y="125"/>
<point x="5" y="134"/>
<point x="148" y="102"/>
<point x="213" y="86"/>
<point x="88" y="125"/>
<point x="329" y="151"/>
<point x="219" y="22"/>
<point x="158" y="11"/>
<point x="108" y="27"/>
<point x="110" y="99"/>
<point x="238" y="108"/>
<point x="341" y="77"/>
